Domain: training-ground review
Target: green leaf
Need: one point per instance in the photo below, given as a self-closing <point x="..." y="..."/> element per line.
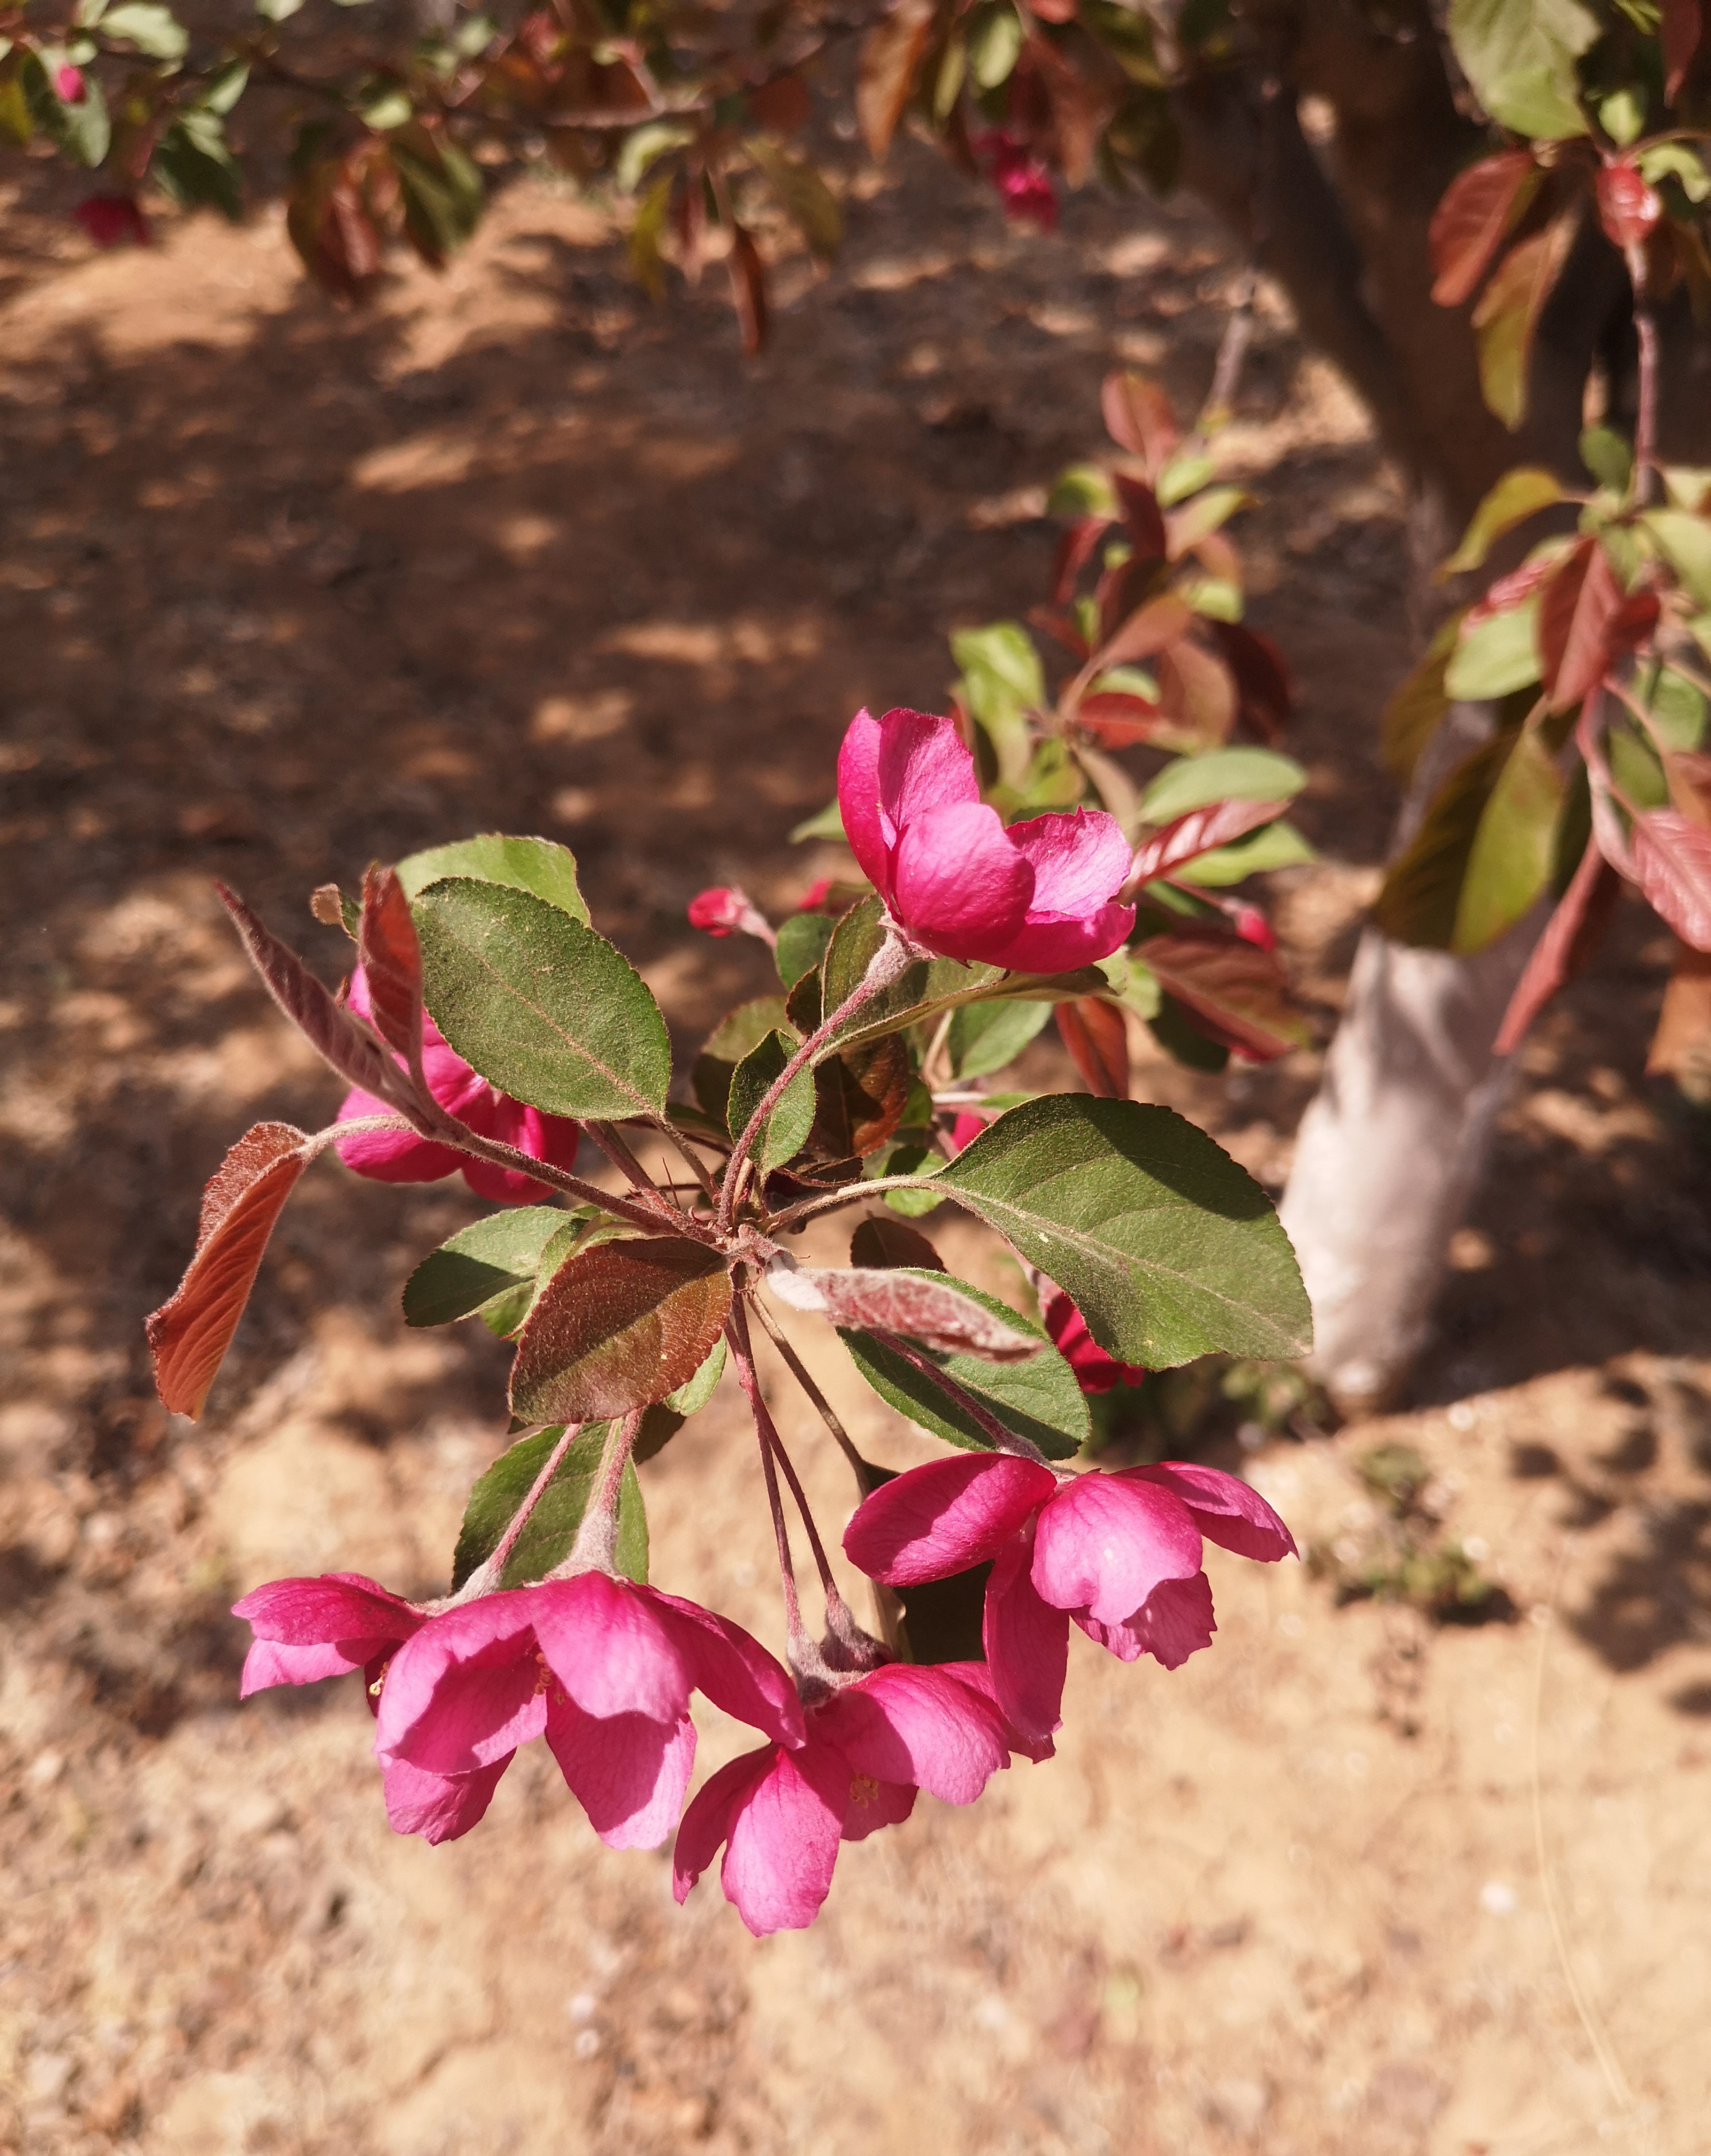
<point x="785" y="1129"/>
<point x="1519" y="55"/>
<point x="827" y="823"/>
<point x="1507" y="315"/>
<point x="984" y="1037"/>
<point x="1216" y="598"/>
<point x="151" y="29"/>
<point x="1276" y="845"/>
<point x="540" y="865"/>
<point x="995" y="45"/>
<point x="618" y="1327"/>
<point x="546" y="1540"/>
<point x="1675" y="160"/>
<point x="804" y="196"/>
<point x="1225" y="774"/>
<point x="1420" y="895"/>
<point x="1495" y="656"/>
<point x="1039" y="1398"/>
<point x="661" y="1422"/>
<point x="1684" y="541"/>
<point x="644" y="147"/>
<point x="1608" y="457"/>
<point x="442" y="189"/>
<point x="1412" y="716"/>
<point x="1513" y="850"/>
<point x="277" y="11"/>
<point x="543" y="1008"/>
<point x="488" y="1261"/>
<point x="1176" y="1032"/>
<point x="192" y="162"/>
<point x="1518" y="494"/>
<point x="1002" y="682"/>
<point x="1678" y="710"/>
<point x="802" y="944"/>
<point x="1081" y="490"/>
<point x="643" y="242"/>
<point x="1182" y="476"/>
<point x="1170" y="1249"/>
<point x="725" y="1047"/>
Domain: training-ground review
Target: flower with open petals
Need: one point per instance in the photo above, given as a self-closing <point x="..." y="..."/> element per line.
<point x="1119" y="1554"/>
<point x="1039" y="896"/>
<point x="1096" y="1372"/>
<point x="310" y="1629"/>
<point x="600" y="1667"/>
<point x="870" y="1747"/>
<point x="404" y="1155"/>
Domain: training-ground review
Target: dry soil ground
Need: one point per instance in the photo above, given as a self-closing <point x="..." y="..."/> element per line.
<point x="281" y="591"/>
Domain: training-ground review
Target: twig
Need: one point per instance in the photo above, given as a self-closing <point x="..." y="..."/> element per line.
<point x="1645" y="412"/>
<point x="1005" y="1440"/>
<point x="488" y="1574"/>
<point x="799" y="1370"/>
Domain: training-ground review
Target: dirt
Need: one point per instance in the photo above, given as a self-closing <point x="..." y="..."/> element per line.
<point x="282" y="590"/>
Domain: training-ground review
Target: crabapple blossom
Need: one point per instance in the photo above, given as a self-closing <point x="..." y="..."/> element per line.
<point x="870" y="1746"/>
<point x="1039" y="896"/>
<point x="1118" y="1552"/>
<point x="1096" y="1372"/>
<point x="724" y="910"/>
<point x="404" y="1155"/>
<point x="604" y="1670"/>
<point x="1023" y="181"/>
<point x="113" y="221"/>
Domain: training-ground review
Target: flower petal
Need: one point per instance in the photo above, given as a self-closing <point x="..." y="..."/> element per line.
<point x="465" y="1689"/>
<point x="904" y="1723"/>
<point x="783" y="1840"/>
<point x="924" y="765"/>
<point x="858" y="799"/>
<point x="628" y="1773"/>
<point x="438" y="1807"/>
<point x="978" y="1676"/>
<point x="941" y="1518"/>
<point x="1174" y="1622"/>
<point x="1226" y="1510"/>
<point x="733" y="1670"/>
<point x="331" y="1606"/>
<point x="271" y="1662"/>
<point x="872" y="1804"/>
<point x="1080" y="862"/>
<point x="1053" y="943"/>
<point x="390" y="1155"/>
<point x="708" y="1819"/>
<point x="1027" y="1646"/>
<point x="961" y="887"/>
<point x="609" y="1648"/>
<point x="1104" y="1542"/>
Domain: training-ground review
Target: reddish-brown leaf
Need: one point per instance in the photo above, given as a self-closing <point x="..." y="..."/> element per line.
<point x="1097" y="1038"/>
<point x="1147" y="632"/>
<point x="189" y="1336"/>
<point x="1680" y="1047"/>
<point x="1672" y="865"/>
<point x="1627" y="208"/>
<point x="1510" y="590"/>
<point x="1682" y="28"/>
<point x="1198" y="832"/>
<point x="781" y="106"/>
<point x="1568" y="940"/>
<point x="1138" y="418"/>
<point x="1578" y="610"/>
<point x="1239" y="995"/>
<point x="619" y="1327"/>
<point x="860" y="1098"/>
<point x="890" y="53"/>
<point x="391" y="959"/>
<point x="1479" y="208"/>
<point x="1688" y="771"/>
<point x="330" y="1030"/>
<point x="1197" y="692"/>
<point x="885" y="1240"/>
<point x="1265" y="699"/>
<point x="1143" y="515"/>
<point x="748" y="290"/>
<point x="936" y="1312"/>
<point x="1507" y="313"/>
<point x="1074" y="549"/>
<point x="1116" y="720"/>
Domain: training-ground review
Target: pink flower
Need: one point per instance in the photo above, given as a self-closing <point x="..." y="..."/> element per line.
<point x="68" y="83"/>
<point x="870" y="1746"/>
<point x="1038" y="897"/>
<point x="1120" y="1553"/>
<point x="1096" y="1372"/>
<point x="403" y="1157"/>
<point x="1252" y="927"/>
<point x="308" y="1628"/>
<point x="725" y="911"/>
<point x="604" y="1670"/>
<point x="967" y="1128"/>
<point x="113" y="221"/>
<point x="814" y="899"/>
<point x="1022" y="179"/>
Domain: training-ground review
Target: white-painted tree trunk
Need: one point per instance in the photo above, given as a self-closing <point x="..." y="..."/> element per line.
<point x="1396" y="1141"/>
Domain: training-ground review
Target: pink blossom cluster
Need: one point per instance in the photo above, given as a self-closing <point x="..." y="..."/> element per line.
<point x="1023" y="181"/>
<point x="604" y="1670"/>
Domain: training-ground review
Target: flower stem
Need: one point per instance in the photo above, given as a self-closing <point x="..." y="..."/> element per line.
<point x="1646" y="410"/>
<point x="449" y="1131"/>
<point x="892" y="959"/>
<point x="803" y="1654"/>
<point x="489" y="1574"/>
<point x="595" y="1548"/>
<point x="799" y="1370"/>
<point x="1006" y="1440"/>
